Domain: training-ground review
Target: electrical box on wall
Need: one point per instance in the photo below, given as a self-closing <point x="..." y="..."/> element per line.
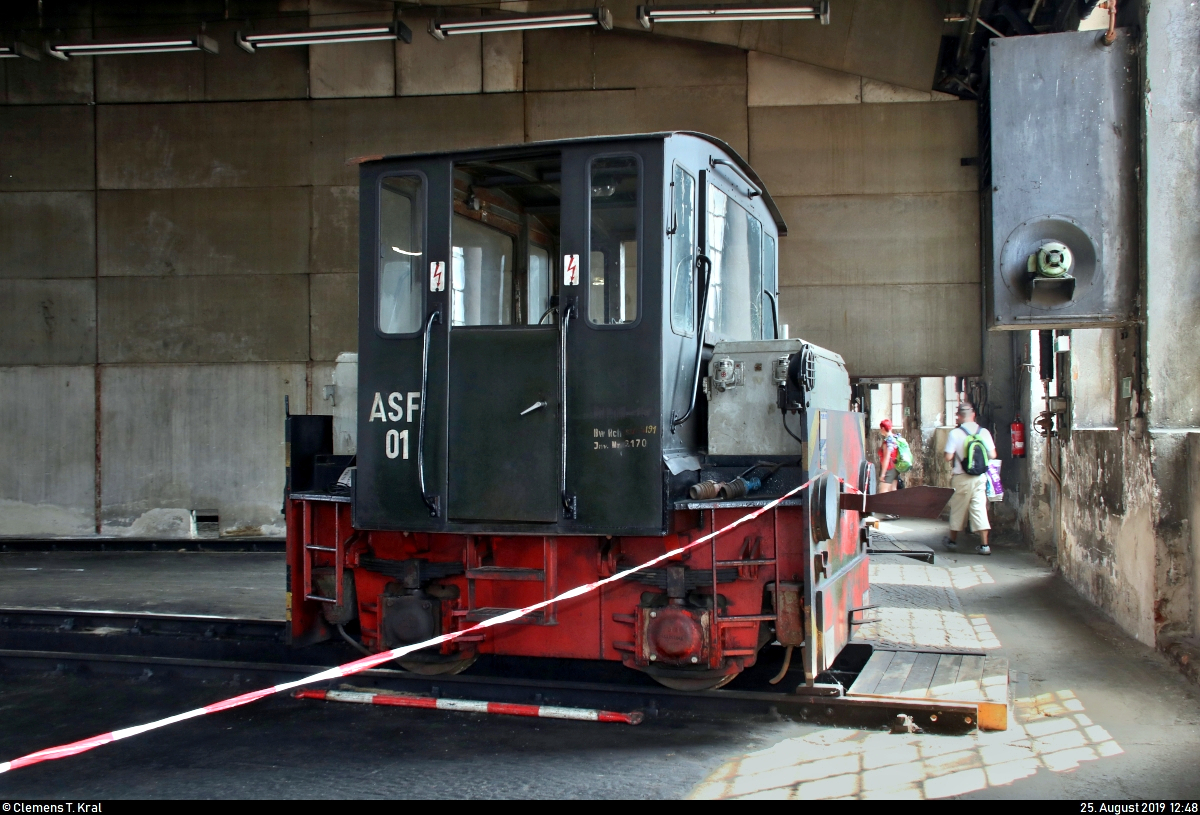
<point x="1060" y="202"/>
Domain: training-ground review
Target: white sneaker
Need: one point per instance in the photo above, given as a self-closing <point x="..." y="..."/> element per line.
<point x="983" y="550"/>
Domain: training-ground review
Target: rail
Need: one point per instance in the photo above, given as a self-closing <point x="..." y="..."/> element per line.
<point x="934" y="716"/>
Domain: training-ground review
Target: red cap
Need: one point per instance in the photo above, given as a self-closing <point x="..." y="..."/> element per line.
<point x="886" y="425"/>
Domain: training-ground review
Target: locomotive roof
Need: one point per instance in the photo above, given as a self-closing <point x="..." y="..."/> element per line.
<point x="525" y="147"/>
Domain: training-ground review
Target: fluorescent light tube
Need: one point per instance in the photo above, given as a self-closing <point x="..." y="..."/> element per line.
<point x="66" y="50"/>
<point x="19" y="49"/>
<point x="525" y="22"/>
<point x="648" y="15"/>
<point x="251" y="42"/>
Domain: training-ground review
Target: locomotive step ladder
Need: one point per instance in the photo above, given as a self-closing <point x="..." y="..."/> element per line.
<point x="747" y="564"/>
<point x="338" y="550"/>
<point x="547" y="576"/>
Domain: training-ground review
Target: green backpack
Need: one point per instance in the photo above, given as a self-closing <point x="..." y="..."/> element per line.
<point x="975" y="455"/>
<point x="904" y="459"/>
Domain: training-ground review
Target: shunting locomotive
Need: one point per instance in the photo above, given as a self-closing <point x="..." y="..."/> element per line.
<point x="570" y="361"/>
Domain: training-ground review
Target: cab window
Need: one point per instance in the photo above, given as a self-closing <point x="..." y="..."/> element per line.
<point x="539" y="283"/>
<point x="771" y="287"/>
<point x="401" y="255"/>
<point x="735" y="248"/>
<point x="481" y="274"/>
<point x="613" y="268"/>
<point x="683" y="252"/>
<point x="503" y="237"/>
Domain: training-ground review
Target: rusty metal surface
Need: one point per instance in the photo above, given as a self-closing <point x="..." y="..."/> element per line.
<point x="914" y="502"/>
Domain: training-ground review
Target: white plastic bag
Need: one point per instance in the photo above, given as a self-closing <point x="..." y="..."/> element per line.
<point x="993" y="486"/>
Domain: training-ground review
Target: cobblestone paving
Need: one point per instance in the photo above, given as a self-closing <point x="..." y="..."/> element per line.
<point x="918" y="605"/>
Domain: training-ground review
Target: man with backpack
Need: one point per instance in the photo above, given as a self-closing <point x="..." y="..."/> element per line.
<point x="969" y="448"/>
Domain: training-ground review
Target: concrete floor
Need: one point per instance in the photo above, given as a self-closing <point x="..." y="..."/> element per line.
<point x="1097" y="716"/>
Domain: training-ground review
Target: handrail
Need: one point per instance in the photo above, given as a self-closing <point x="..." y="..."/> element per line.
<point x="703" y="265"/>
<point x="431" y="501"/>
<point x="753" y="192"/>
<point x="774" y="312"/>
<point x="568" y="500"/>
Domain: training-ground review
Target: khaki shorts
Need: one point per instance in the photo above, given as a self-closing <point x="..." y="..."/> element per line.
<point x="970" y="498"/>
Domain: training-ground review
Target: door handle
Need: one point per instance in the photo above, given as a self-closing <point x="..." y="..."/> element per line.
<point x="433" y="501"/>
<point x="533" y="407"/>
<point x="570" y="507"/>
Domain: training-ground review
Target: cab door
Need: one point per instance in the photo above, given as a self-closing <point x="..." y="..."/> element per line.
<point x="612" y="312"/>
<point x="401" y="353"/>
<point x="505" y="378"/>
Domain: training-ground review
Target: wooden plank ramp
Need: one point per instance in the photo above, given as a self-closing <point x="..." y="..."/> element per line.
<point x="879" y="543"/>
<point x="967" y="679"/>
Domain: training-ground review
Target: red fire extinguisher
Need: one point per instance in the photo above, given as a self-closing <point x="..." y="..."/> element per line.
<point x="1018" y="438"/>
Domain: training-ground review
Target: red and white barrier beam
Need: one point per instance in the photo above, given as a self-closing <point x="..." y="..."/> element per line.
<point x="579" y="714"/>
<point x="375" y="660"/>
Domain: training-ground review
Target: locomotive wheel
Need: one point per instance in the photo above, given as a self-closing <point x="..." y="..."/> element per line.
<point x="437" y="668"/>
<point x="699" y="683"/>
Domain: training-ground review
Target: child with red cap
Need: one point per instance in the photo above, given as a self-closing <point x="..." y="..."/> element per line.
<point x="888" y="451"/>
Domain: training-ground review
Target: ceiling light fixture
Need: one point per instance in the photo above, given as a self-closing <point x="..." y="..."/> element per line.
<point x="19" y="49"/>
<point x="648" y="15"/>
<point x="441" y="29"/>
<point x="251" y="42"/>
<point x="66" y="50"/>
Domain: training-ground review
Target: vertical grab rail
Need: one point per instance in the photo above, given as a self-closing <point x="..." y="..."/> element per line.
<point x="774" y="312"/>
<point x="704" y="266"/>
<point x="306" y="534"/>
<point x="431" y="501"/>
<point x="568" y="500"/>
<point x="550" y="574"/>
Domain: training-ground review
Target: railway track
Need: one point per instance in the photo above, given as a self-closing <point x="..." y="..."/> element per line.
<point x="166" y="647"/>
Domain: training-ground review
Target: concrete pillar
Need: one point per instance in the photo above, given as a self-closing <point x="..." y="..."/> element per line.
<point x="1172" y="292"/>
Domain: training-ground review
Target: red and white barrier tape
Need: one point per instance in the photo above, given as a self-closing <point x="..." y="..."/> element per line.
<point x="581" y="714"/>
<point x="374" y="660"/>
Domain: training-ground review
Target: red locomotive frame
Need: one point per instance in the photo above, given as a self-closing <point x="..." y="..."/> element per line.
<point x="775" y="579"/>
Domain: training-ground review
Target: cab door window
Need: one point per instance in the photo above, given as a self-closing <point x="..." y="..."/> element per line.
<point x="400" y="293"/>
<point x="614" y="235"/>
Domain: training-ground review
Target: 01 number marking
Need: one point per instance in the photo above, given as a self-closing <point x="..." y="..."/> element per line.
<point x="395" y="443"/>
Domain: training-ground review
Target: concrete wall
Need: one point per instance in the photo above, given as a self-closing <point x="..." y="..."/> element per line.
<point x="1193" y="482"/>
<point x="881" y="261"/>
<point x="178" y="233"/>
<point x="1172" y="289"/>
<point x="1107" y="548"/>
